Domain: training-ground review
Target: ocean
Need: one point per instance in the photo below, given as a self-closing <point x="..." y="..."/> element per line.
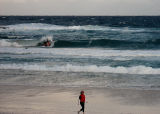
<point x="120" y="52"/>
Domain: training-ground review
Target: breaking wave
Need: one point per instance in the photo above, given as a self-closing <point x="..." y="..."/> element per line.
<point x="89" y="68"/>
<point x="42" y="26"/>
<point x="85" y="35"/>
<point x="104" y="43"/>
<point x="82" y="52"/>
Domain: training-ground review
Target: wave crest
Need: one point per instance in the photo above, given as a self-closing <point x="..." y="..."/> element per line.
<point x="43" y="26"/>
<point x="89" y="68"/>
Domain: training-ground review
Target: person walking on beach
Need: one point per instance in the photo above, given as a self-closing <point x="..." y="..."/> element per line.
<point x="82" y="101"/>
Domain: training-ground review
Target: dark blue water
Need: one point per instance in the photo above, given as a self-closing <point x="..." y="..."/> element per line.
<point x="112" y="21"/>
<point x="134" y="32"/>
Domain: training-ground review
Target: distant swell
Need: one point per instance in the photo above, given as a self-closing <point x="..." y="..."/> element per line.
<point x="108" y="43"/>
<point x="116" y="21"/>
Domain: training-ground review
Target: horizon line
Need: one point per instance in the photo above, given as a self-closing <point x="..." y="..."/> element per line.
<point x="81" y="15"/>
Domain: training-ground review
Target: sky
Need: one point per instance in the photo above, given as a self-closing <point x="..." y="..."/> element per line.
<point x="79" y="7"/>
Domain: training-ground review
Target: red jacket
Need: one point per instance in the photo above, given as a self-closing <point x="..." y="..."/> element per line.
<point x="82" y="98"/>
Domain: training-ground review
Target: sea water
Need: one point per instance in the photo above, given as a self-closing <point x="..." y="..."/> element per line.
<point x="90" y="51"/>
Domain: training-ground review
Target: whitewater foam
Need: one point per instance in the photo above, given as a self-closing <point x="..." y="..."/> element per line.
<point x="5" y="43"/>
<point x="44" y="38"/>
<point x="88" y="68"/>
<point x="42" y="26"/>
<point x="83" y="52"/>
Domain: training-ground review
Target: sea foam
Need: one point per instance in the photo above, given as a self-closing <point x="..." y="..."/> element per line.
<point x="42" y="26"/>
<point x="88" y="68"/>
<point x="83" y="52"/>
<point x="5" y="43"/>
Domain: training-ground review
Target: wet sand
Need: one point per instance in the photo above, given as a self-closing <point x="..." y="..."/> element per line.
<point x="64" y="100"/>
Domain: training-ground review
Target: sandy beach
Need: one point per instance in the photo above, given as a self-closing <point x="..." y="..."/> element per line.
<point x="63" y="100"/>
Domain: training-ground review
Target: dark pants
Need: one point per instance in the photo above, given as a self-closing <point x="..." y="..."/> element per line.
<point x="82" y="105"/>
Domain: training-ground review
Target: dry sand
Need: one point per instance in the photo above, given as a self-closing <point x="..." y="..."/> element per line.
<point x="64" y="100"/>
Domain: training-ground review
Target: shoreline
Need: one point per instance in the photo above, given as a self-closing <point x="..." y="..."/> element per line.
<point x="63" y="100"/>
